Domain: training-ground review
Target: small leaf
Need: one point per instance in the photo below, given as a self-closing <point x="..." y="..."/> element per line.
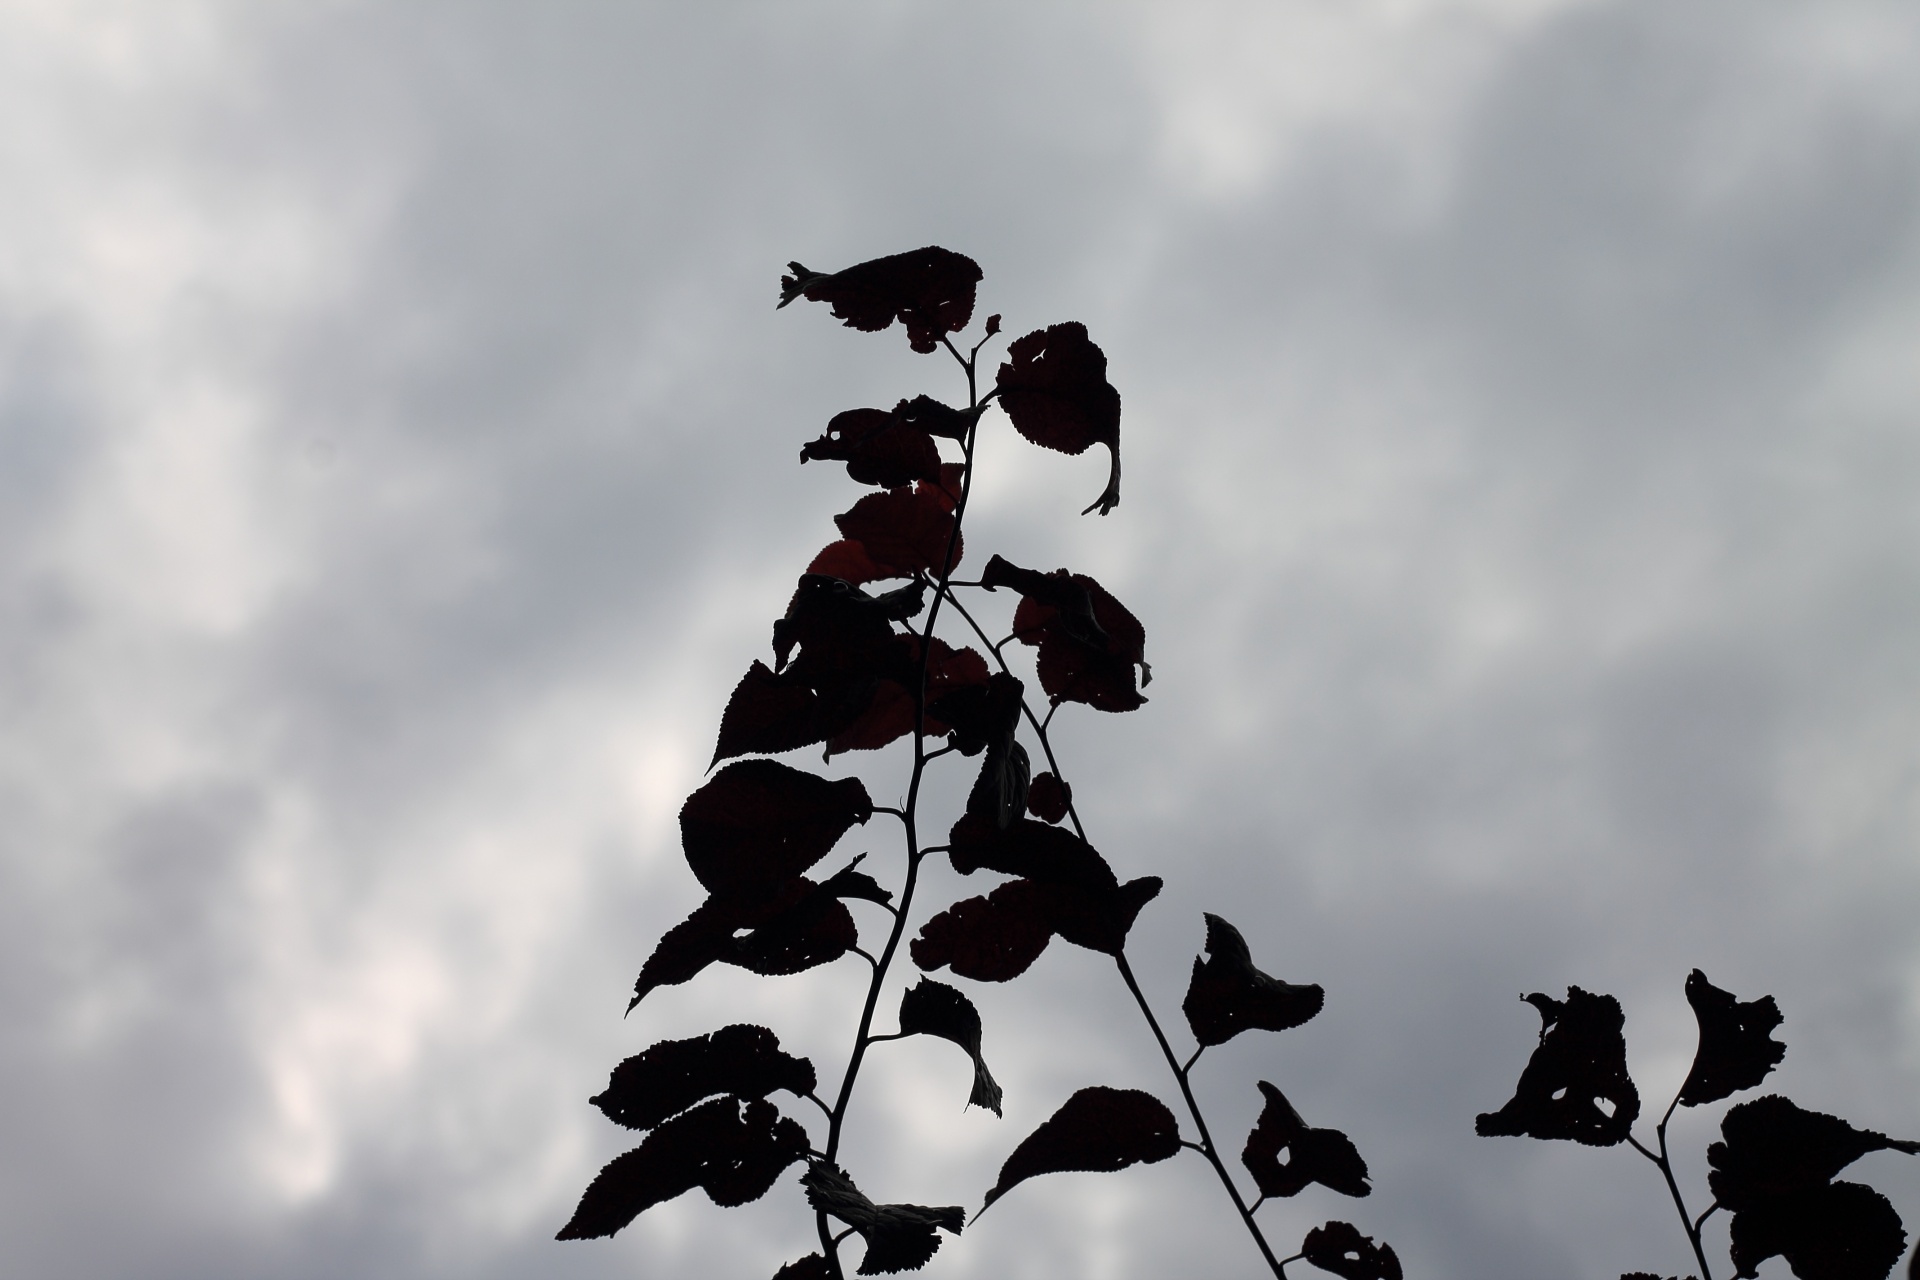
<point x="1048" y="798"/>
<point x="1089" y="642"/>
<point x="937" y="419"/>
<point x="1340" y="1248"/>
<point x="1325" y="1156"/>
<point x="991" y="939"/>
<point x="993" y="324"/>
<point x="936" y="1009"/>
<point x="905" y="530"/>
<point x="758" y="823"/>
<point x="743" y="1060"/>
<point x="1227" y="995"/>
<point x="1736" y="1051"/>
<point x="1841" y="1231"/>
<point x="1054" y="387"/>
<point x="812" y="1267"/>
<point x="980" y="714"/>
<point x="1099" y="1130"/>
<point x="1000" y="792"/>
<point x="1773" y="1148"/>
<point x="929" y="290"/>
<point x="900" y="1237"/>
<point x="1580" y="1063"/>
<point x="878" y="448"/>
<point x="687" y="949"/>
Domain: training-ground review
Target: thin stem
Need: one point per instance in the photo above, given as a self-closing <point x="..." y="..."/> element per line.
<point x="816" y="1100"/>
<point x="1255" y="1208"/>
<point x="1199" y="1121"/>
<point x="1664" y="1162"/>
<point x="1708" y="1213"/>
<point x="898" y="1035"/>
<point x="862" y="953"/>
<point x="1190" y="1061"/>
<point x="886" y="808"/>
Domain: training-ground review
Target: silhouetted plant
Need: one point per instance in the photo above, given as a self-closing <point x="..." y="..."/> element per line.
<point x="854" y="672"/>
<point x="1774" y="1169"/>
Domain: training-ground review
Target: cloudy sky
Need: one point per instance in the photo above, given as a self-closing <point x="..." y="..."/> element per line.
<point x="397" y="468"/>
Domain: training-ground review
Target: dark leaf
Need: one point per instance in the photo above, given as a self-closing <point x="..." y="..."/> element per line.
<point x="981" y="714"/>
<point x="1840" y="1231"/>
<point x="856" y="884"/>
<point x="1099" y="919"/>
<point x="993" y="324"/>
<point x="849" y="561"/>
<point x="1048" y="798"/>
<point x="1340" y="1248"/>
<point x="757" y="824"/>
<point x="900" y="1237"/>
<point x="1736" y="1049"/>
<point x="991" y="939"/>
<point x="769" y="714"/>
<point x="905" y="530"/>
<point x="733" y="1150"/>
<point x="1075" y="890"/>
<point x="937" y="419"/>
<point x="929" y="290"/>
<point x="1773" y="1148"/>
<point x="1325" y="1156"/>
<point x="936" y="1009"/>
<point x="1054" y="387"/>
<point x="687" y="948"/>
<point x="743" y="1060"/>
<point x="1227" y="995"/>
<point x="999" y="794"/>
<point x="890" y="715"/>
<point x="842" y="632"/>
<point x="1576" y="1083"/>
<point x="1631" y="1275"/>
<point x="815" y="929"/>
<point x="812" y="1267"/>
<point x="1089" y="642"/>
<point x="1099" y="1130"/>
<point x="878" y="448"/>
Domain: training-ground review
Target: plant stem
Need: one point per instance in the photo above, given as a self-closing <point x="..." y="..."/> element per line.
<point x="1665" y="1164"/>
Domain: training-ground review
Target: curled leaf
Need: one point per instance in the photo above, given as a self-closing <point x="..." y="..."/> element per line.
<point x="1090" y="643"/>
<point x="1000" y="792"/>
<point x="1048" y="798"/>
<point x="757" y="824"/>
<point x="900" y="1237"/>
<point x="937" y="419"/>
<point x="1736" y="1049"/>
<point x="1325" y="1156"/>
<point x="1340" y="1248"/>
<point x="1099" y="1130"/>
<point x="1054" y="387"/>
<point x="743" y="1060"/>
<point x="878" y="448"/>
<point x="1227" y="995"/>
<point x="936" y="1009"/>
<point x="1576" y="1083"/>
<point x="928" y="290"/>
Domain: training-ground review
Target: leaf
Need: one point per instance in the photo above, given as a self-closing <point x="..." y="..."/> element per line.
<point x="743" y="1060"/>
<point x="991" y="939"/>
<point x="1772" y="1148"/>
<point x="687" y="949"/>
<point x="733" y="1150"/>
<point x="1048" y="798"/>
<point x="900" y="1237"/>
<point x="981" y="714"/>
<point x="1227" y="995"/>
<point x="1075" y="892"/>
<point x="849" y="561"/>
<point x="936" y="1009"/>
<point x="1325" y="1156"/>
<point x="1581" y="1061"/>
<point x="1000" y="792"/>
<point x="906" y="530"/>
<point x="1631" y="1275"/>
<point x="878" y="448"/>
<point x="1099" y="1130"/>
<point x="1736" y="1051"/>
<point x="929" y="290"/>
<point x="1089" y="642"/>
<point x="1841" y="1231"/>
<point x="842" y="632"/>
<point x="769" y="714"/>
<point x="1340" y="1248"/>
<point x="890" y="715"/>
<point x="812" y="1267"/>
<point x="757" y="824"/>
<point x="935" y="418"/>
<point x="1054" y="387"/>
<point x="815" y="929"/>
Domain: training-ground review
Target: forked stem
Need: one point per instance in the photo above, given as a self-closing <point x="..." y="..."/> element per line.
<point x="1664" y="1162"/>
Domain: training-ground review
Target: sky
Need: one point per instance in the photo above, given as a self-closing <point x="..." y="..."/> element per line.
<point x="398" y="468"/>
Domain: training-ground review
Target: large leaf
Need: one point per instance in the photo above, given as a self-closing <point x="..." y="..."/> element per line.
<point x="743" y="1060"/>
<point x="928" y="290"/>
<point x="906" y="530"/>
<point x="1576" y="1083"/>
<point x="1772" y="1147"/>
<point x="1054" y="387"/>
<point x="878" y="448"/>
<point x="1325" y="1156"/>
<point x="936" y="1009"/>
<point x="1090" y="643"/>
<point x="1227" y="995"/>
<point x="842" y="632"/>
<point x="1736" y="1049"/>
<point x="1099" y="1130"/>
<point x="733" y="1150"/>
<point x="1340" y="1248"/>
<point x="771" y="713"/>
<point x="1840" y="1231"/>
<point x="900" y="1237"/>
<point x="758" y="823"/>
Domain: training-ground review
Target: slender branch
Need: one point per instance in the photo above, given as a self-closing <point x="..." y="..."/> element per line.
<point x="1255" y="1208"/>
<point x="1193" y="1146"/>
<point x="1190" y="1061"/>
<point x="1664" y="1162"/>
<point x="1708" y="1213"/>
<point x="898" y="1035"/>
<point x="887" y="808"/>
<point x="814" y="1098"/>
<point x="863" y="954"/>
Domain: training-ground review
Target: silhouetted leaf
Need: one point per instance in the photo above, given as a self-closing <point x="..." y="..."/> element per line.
<point x="937" y="419"/>
<point x="842" y="631"/>
<point x="1736" y="1051"/>
<point x="878" y="448"/>
<point x="743" y="1060"/>
<point x="1089" y="642"/>
<point x="936" y="1009"/>
<point x="849" y="561"/>
<point x="733" y="1150"/>
<point x="980" y="714"/>
<point x="900" y="1237"/>
<point x="1048" y="797"/>
<point x="905" y="530"/>
<point x="1840" y="1231"/>
<point x="1227" y="995"/>
<point x="929" y="290"/>
<point x="687" y="949"/>
<point x="757" y="824"/>
<point x="1579" y="1065"/>
<point x="890" y="715"/>
<point x="999" y="793"/>
<point x="812" y="1267"/>
<point x="769" y="714"/>
<point x="1325" y="1156"/>
<point x="815" y="929"/>
<point x="1340" y="1248"/>
<point x="1099" y="1130"/>
<point x="1773" y="1148"/>
<point x="1054" y="387"/>
<point x="1076" y="893"/>
<point x="991" y="939"/>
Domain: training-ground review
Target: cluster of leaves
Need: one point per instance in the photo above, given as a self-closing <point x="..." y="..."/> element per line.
<point x="1775" y="1165"/>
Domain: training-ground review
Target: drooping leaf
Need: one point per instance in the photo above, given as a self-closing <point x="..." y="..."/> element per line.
<point x="1325" y="1156"/>
<point x="1576" y="1083"/>
<point x="757" y="824"/>
<point x="1048" y="798"/>
<point x="812" y="1267"/>
<point x="733" y="1150"/>
<point x="1075" y="891"/>
<point x="1736" y="1049"/>
<point x="1340" y="1248"/>
<point x="928" y="290"/>
<point x="999" y="793"/>
<point x="905" y="530"/>
<point x="1089" y="642"/>
<point x="1839" y="1231"/>
<point x="1054" y="387"/>
<point x="687" y="949"/>
<point x="743" y="1060"/>
<point x="1227" y="995"/>
<point x="878" y="448"/>
<point x="936" y="1009"/>
<point x="900" y="1237"/>
<point x="1772" y="1148"/>
<point x="1099" y="1130"/>
<point x="991" y="939"/>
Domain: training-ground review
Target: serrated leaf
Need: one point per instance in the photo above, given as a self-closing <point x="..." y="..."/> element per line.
<point x="1771" y="1147"/>
<point x="999" y="792"/>
<point x="743" y="1060"/>
<point x="1227" y="995"/>
<point x="1649" y="1275"/>
<point x="892" y="712"/>
<point x="1089" y="642"/>
<point x="812" y="1267"/>
<point x="928" y="290"/>
<point x="1099" y="1130"/>
<point x="1325" y="1156"/>
<point x="936" y="1009"/>
<point x="842" y="632"/>
<point x="1048" y="798"/>
<point x="1074" y="892"/>
<point x="906" y="530"/>
<point x="991" y="939"/>
<point x="757" y="824"/>
<point x="1340" y="1248"/>
<point x="1054" y="387"/>
<point x="1736" y="1049"/>
<point x="878" y="447"/>
<point x="1576" y="1083"/>
<point x="773" y="713"/>
<point x="1840" y="1231"/>
<point x="900" y="1237"/>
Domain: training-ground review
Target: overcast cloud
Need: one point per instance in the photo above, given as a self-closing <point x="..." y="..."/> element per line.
<point x="397" y="438"/>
